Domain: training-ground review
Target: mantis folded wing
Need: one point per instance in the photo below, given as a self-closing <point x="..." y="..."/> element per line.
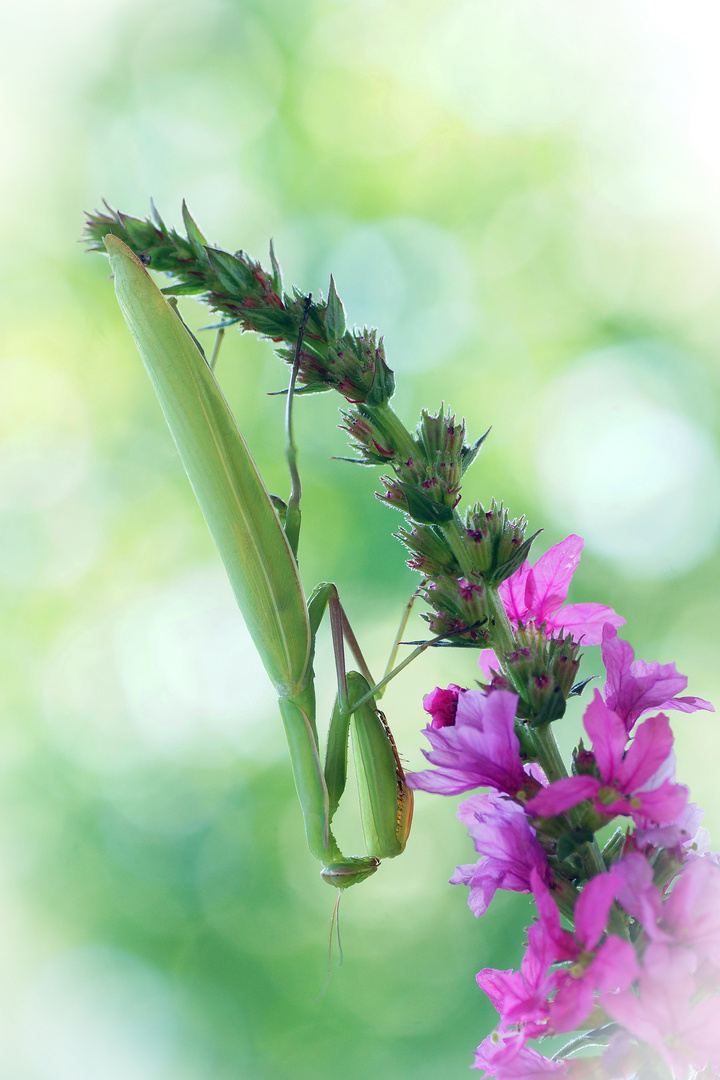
<point x="264" y="577"/>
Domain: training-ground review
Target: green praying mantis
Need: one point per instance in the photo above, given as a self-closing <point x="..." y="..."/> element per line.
<point x="259" y="553"/>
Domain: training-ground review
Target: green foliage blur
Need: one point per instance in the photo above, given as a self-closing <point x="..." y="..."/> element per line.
<point x="521" y="197"/>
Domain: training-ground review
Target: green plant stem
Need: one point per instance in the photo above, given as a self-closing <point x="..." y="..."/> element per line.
<point x="454" y="534"/>
<point x="548" y="754"/>
<point x="393" y="428"/>
<point x="502" y="638"/>
<point x="617" y="923"/>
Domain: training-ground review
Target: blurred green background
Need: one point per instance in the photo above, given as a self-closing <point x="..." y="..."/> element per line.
<point x="522" y="196"/>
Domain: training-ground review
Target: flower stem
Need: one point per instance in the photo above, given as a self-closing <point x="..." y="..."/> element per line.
<point x="549" y="755"/>
<point x="394" y="430"/>
<point x="454" y="531"/>
<point x="502" y="638"/>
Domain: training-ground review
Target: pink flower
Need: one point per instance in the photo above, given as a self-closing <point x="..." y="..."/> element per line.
<point x="594" y="967"/>
<point x="638" y="894"/>
<point x="506" y="841"/>
<point x="522" y="997"/>
<point x="539" y="593"/>
<point x="627" y="777"/>
<point x="667" y="1013"/>
<point x="442" y="705"/>
<point x="687" y="918"/>
<point x="504" y="1056"/>
<point x="542" y="998"/>
<point x="691" y="913"/>
<point x="635" y="687"/>
<point x="480" y="749"/>
<point x="685" y="836"/>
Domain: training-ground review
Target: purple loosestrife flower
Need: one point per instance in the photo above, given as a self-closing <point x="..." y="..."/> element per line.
<point x="594" y="967"/>
<point x="691" y="913"/>
<point x="665" y="1012"/>
<point x="538" y="593"/>
<point x="522" y="998"/>
<point x="504" y="1056"/>
<point x="688" y="917"/>
<point x="508" y="847"/>
<point x="685" y="836"/>
<point x="638" y="894"/>
<point x="480" y="749"/>
<point x="635" y="687"/>
<point x="442" y="705"/>
<point x="674" y="1006"/>
<point x="627" y="776"/>
<point x="542" y="998"/>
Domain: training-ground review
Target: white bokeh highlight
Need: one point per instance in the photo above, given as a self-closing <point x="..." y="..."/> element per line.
<point x="637" y="478"/>
<point x="172" y="674"/>
<point x="94" y="1012"/>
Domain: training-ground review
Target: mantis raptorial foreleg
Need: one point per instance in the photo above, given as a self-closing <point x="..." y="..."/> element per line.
<point x="386" y="803"/>
<point x="259" y="556"/>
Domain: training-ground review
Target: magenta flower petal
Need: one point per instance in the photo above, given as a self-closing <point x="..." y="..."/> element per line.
<point x="585" y="621"/>
<point x="628" y="775"/>
<point x="561" y="795"/>
<point x="572" y="1004"/>
<point x="638" y="894"/>
<point x="522" y="997"/>
<point x="496" y="984"/>
<point x="512" y="593"/>
<point x="504" y="1056"/>
<point x="665" y="1011"/>
<point x="506" y="841"/>
<point x="685" y="832"/>
<point x="483" y="882"/>
<point x="481" y="749"/>
<point x="663" y="805"/>
<point x="608" y="735"/>
<point x="687" y="704"/>
<point x="615" y="966"/>
<point x="538" y="592"/>
<point x="558" y="943"/>
<point x="692" y="911"/>
<point x="487" y="662"/>
<point x="634" y="687"/>
<point x="442" y="705"/>
<point x="549" y="580"/>
<point x="647" y="753"/>
<point x="593" y="907"/>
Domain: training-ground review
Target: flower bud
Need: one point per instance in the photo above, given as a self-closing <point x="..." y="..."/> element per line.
<point x="442" y="705"/>
<point x="583" y="762"/>
<point x="435" y="471"/>
<point x="352" y="364"/>
<point x="614" y="848"/>
<point x="355" y="365"/>
<point x="496" y="545"/>
<point x="431" y="554"/>
<point x="543" y="670"/>
<point x="461" y="610"/>
<point x="439" y="436"/>
<point x="368" y="440"/>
